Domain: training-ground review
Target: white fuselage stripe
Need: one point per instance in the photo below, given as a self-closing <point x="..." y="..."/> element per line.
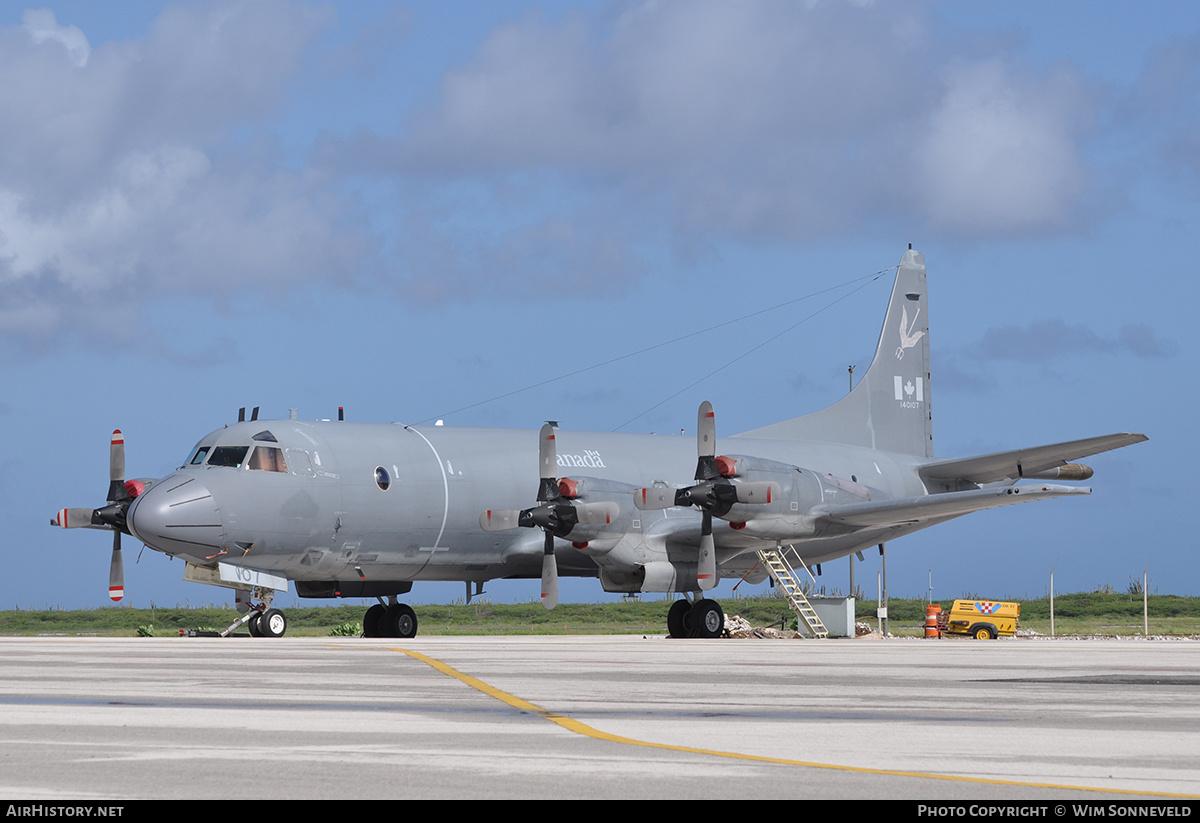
<point x="445" y="485"/>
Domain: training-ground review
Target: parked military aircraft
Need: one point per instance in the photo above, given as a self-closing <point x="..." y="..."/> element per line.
<point x="364" y="510"/>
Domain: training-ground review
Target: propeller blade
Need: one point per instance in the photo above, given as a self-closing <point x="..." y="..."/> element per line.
<point x="73" y="518"/>
<point x="597" y="514"/>
<point x="706" y="443"/>
<point x="706" y="567"/>
<point x="116" y="571"/>
<point x="758" y="492"/>
<point x="116" y="468"/>
<point x="547" y="452"/>
<point x="549" y="575"/>
<point x="548" y="464"/>
<point x="656" y="497"/>
<point x="706" y="432"/>
<point x="499" y="520"/>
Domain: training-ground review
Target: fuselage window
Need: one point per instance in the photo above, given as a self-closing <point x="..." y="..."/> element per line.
<point x="232" y="456"/>
<point x="382" y="478"/>
<point x="267" y="459"/>
<point x="198" y="457"/>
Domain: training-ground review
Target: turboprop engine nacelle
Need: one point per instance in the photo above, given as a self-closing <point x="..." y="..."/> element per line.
<point x="599" y="536"/>
<point x="798" y="491"/>
<point x="793" y="490"/>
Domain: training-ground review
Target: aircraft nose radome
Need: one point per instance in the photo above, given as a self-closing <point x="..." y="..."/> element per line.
<point x="177" y="515"/>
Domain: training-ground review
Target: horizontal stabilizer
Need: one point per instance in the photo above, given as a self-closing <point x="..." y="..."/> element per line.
<point x="1013" y="465"/>
<point x="937" y="506"/>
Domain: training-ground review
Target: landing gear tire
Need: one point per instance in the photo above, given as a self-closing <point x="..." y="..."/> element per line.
<point x="706" y="619"/>
<point x="399" y="621"/>
<point x="373" y="621"/>
<point x="272" y="623"/>
<point x="677" y="618"/>
<point x="255" y="631"/>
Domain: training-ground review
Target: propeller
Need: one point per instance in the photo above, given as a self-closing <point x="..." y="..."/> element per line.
<point x="712" y="493"/>
<point x="111" y="516"/>
<point x="707" y="493"/>
<point x="554" y="514"/>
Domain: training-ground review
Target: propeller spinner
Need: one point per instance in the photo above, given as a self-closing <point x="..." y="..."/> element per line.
<point x="555" y="514"/>
<point x="111" y="516"/>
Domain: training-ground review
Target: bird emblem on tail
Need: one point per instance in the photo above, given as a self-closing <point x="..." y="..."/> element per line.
<point x="908" y="338"/>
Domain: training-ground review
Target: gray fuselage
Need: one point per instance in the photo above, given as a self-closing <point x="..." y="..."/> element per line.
<point x="402" y="503"/>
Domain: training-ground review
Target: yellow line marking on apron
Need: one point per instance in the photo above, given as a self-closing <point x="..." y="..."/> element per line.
<point x="577" y="727"/>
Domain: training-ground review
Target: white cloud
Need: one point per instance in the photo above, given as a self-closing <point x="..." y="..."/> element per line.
<point x="559" y="151"/>
<point x="133" y="170"/>
<point x="1002" y="155"/>
<point x="761" y="121"/>
<point x="42" y="26"/>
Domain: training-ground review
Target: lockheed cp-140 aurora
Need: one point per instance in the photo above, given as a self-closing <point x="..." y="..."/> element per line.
<point x="361" y="510"/>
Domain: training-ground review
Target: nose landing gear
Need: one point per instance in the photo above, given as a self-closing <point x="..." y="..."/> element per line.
<point x="260" y="618"/>
<point x="270" y="623"/>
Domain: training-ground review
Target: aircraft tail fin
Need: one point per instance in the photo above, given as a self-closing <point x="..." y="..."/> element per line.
<point x="889" y="409"/>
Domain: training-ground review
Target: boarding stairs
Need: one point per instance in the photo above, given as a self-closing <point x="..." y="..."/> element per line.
<point x="781" y="571"/>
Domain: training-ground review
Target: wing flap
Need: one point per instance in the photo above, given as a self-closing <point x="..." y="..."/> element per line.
<point x="937" y="506"/>
<point x="1012" y="465"/>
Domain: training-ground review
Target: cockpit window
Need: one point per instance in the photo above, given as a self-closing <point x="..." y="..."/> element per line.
<point x="265" y="437"/>
<point x="198" y="457"/>
<point x="232" y="456"/>
<point x="267" y="459"/>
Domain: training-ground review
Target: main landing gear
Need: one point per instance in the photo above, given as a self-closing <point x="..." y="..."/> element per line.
<point x="390" y="620"/>
<point x="703" y="618"/>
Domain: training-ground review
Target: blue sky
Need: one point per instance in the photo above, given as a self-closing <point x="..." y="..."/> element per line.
<point x="406" y="209"/>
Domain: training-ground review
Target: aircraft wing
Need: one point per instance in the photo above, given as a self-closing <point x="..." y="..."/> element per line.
<point x="1012" y="465"/>
<point x="937" y="506"/>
